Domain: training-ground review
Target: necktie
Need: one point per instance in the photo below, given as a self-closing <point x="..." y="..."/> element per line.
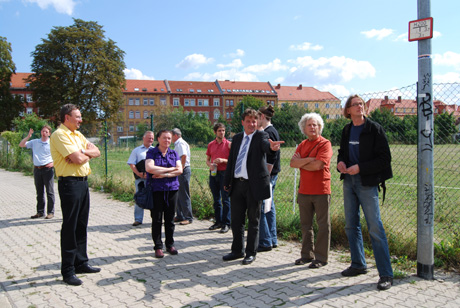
<point x="239" y="160"/>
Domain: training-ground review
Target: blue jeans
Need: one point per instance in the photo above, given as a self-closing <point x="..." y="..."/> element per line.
<point x="184" y="204"/>
<point x="354" y="195"/>
<point x="267" y="225"/>
<point x="220" y="196"/>
<point x="138" y="211"/>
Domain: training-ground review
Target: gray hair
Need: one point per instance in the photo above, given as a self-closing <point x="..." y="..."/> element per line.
<point x="176" y="132"/>
<point x="309" y="116"/>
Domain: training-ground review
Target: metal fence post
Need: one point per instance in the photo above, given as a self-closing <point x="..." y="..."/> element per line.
<point x="425" y="147"/>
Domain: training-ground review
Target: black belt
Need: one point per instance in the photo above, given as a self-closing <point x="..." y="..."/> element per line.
<point x="73" y="178"/>
<point x="40" y="167"/>
<point x="241" y="179"/>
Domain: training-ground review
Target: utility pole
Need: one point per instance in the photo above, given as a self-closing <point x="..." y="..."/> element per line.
<point x="422" y="31"/>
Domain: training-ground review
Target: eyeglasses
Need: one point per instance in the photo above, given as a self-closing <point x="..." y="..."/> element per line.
<point x="357" y="104"/>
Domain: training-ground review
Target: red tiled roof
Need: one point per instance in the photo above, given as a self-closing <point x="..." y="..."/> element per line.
<point x="300" y="93"/>
<point x="193" y="87"/>
<point x="18" y="80"/>
<point x="149" y="85"/>
<point x="246" y="87"/>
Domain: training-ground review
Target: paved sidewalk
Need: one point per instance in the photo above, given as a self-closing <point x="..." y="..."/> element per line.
<point x="197" y="277"/>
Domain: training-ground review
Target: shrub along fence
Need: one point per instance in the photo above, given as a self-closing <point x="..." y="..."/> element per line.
<point x="399" y="212"/>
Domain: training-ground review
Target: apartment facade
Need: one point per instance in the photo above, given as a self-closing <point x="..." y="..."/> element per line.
<point x="20" y="87"/>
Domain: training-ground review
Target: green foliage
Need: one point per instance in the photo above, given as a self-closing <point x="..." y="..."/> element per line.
<point x="448" y="252"/>
<point x="333" y="130"/>
<point x="247" y="102"/>
<point x="23" y="124"/>
<point x="444" y="128"/>
<point x="11" y="105"/>
<point x="285" y="121"/>
<point x="77" y="65"/>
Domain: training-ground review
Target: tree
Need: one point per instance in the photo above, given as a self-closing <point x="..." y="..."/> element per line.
<point x="444" y="128"/>
<point x="247" y="102"/>
<point x="11" y="105"/>
<point x="77" y="65"/>
<point x="286" y="120"/>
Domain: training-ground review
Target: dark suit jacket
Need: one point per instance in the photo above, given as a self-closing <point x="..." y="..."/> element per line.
<point x="259" y="178"/>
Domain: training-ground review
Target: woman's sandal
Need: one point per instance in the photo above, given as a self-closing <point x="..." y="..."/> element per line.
<point x="317" y="264"/>
<point x="302" y="261"/>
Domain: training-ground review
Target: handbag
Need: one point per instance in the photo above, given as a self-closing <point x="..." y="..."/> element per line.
<point x="144" y="196"/>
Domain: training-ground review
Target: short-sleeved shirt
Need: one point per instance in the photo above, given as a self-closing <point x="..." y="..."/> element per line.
<point x="169" y="160"/>
<point x="40" y="151"/>
<point x="64" y="142"/>
<point x="219" y="150"/>
<point x="182" y="148"/>
<point x="316" y="182"/>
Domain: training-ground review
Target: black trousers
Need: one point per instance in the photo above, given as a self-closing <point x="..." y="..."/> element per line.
<point x="44" y="180"/>
<point x="74" y="197"/>
<point x="242" y="201"/>
<point x="165" y="202"/>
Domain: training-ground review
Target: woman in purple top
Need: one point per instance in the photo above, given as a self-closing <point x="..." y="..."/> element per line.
<point x="163" y="165"/>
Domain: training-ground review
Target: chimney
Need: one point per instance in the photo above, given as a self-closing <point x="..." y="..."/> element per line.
<point x="300" y="87"/>
<point x="278" y="86"/>
<point x="399" y="98"/>
<point x="386" y="97"/>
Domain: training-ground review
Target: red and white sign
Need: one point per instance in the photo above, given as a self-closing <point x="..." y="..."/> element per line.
<point x="421" y="29"/>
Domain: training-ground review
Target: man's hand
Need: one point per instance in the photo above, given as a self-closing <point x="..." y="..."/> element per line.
<point x="342" y="167"/>
<point x="275" y="145"/>
<point x="31" y="131"/>
<point x="353" y="170"/>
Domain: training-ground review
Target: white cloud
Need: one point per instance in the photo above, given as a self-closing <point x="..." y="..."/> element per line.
<point x="325" y="71"/>
<point x="61" y="6"/>
<point x="134" y="73"/>
<point x="436" y="34"/>
<point x="237" y="53"/>
<point x="447" y="78"/>
<point x="273" y="66"/>
<point x="306" y="46"/>
<point x="234" y="64"/>
<point x="378" y="34"/>
<point x="335" y="89"/>
<point x="449" y="58"/>
<point x="222" y="75"/>
<point x="194" y="61"/>
<point x="402" y="38"/>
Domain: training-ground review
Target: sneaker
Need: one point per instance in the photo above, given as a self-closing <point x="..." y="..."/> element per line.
<point x="38" y="215"/>
<point x="159" y="253"/>
<point x="385" y="283"/>
<point x="49" y="216"/>
<point x="353" y="271"/>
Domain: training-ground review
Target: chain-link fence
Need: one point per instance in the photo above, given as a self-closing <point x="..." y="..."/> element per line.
<point x="396" y="111"/>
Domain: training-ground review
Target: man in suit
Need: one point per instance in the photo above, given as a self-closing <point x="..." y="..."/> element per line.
<point x="247" y="181"/>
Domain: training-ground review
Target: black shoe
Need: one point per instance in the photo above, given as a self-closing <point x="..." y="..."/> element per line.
<point x="73" y="281"/>
<point x="263" y="248"/>
<point x="38" y="215"/>
<point x="248" y="260"/>
<point x="385" y="283"/>
<point x="224" y="229"/>
<point x="232" y="256"/>
<point x="352" y="271"/>
<point x="215" y="226"/>
<point x="86" y="269"/>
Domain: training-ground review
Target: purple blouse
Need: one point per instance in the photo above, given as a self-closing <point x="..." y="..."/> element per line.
<point x="169" y="160"/>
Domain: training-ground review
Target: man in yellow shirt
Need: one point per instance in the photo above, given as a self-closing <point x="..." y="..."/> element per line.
<point x="71" y="153"/>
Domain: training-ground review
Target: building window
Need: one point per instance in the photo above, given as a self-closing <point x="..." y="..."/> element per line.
<point x="131" y="114"/>
<point x="231" y="115"/>
<point x="163" y="101"/>
<point x="29" y="98"/>
<point x="216" y="102"/>
<point x="175" y="102"/>
<point x="283" y="105"/>
<point x="131" y="128"/>
<point x="216" y="114"/>
<point x="186" y="102"/>
<point x="271" y="103"/>
<point x="131" y="101"/>
<point x="146" y="114"/>
<point x="138" y="114"/>
<point x="120" y="129"/>
<point x="145" y="101"/>
<point x="206" y="114"/>
<point x="138" y="101"/>
<point x="337" y="106"/>
<point x="327" y="106"/>
<point x="327" y="116"/>
<point x="192" y="102"/>
<point x="152" y="102"/>
<point x="29" y="110"/>
<point x="228" y="115"/>
<point x="229" y="102"/>
<point x="137" y="128"/>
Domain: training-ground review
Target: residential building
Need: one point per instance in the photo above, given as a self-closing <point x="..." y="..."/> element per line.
<point x="20" y="87"/>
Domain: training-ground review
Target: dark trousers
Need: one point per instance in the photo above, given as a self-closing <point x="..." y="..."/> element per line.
<point x="221" y="199"/>
<point x="184" y="204"/>
<point x="74" y="197"/>
<point x="44" y="180"/>
<point x="164" y="202"/>
<point x="242" y="201"/>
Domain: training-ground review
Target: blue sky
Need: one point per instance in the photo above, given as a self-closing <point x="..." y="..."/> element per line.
<point x="339" y="46"/>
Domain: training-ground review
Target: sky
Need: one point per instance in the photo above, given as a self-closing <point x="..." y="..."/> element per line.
<point x="344" y="47"/>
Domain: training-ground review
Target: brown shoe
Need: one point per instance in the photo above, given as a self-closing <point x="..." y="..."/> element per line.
<point x="136" y="223"/>
<point x="49" y="216"/>
<point x="172" y="250"/>
<point x="185" y="222"/>
<point x="38" y="215"/>
<point x="159" y="253"/>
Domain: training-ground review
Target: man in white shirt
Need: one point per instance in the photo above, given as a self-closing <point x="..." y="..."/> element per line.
<point x="184" y="205"/>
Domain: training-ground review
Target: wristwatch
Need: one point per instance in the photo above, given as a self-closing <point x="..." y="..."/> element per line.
<point x="83" y="151"/>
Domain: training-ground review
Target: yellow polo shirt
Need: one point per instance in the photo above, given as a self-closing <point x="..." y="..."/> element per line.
<point x="64" y="142"/>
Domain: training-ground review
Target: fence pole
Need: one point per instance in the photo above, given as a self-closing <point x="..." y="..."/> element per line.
<point x="425" y="146"/>
<point x="105" y="146"/>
